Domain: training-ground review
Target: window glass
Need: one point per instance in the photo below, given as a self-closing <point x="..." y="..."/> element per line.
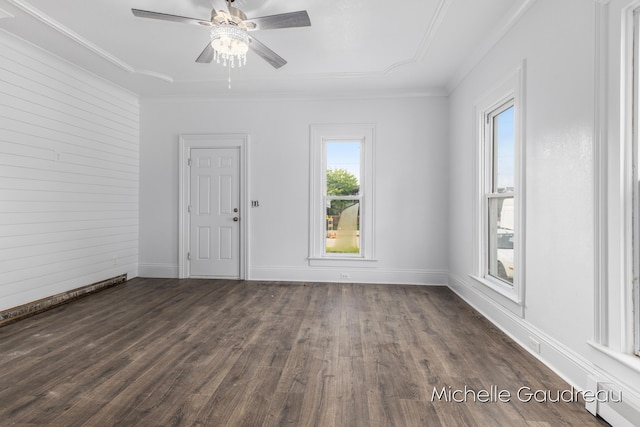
<point x="500" y="196"/>
<point x="343" y="168"/>
<point x="503" y="146"/>
<point x="501" y="238"/>
<point x="342" y="197"/>
<point x="343" y="226"/>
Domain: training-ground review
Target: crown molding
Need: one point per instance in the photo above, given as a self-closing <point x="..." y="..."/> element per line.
<point x="92" y="47"/>
<point x="5" y="14"/>
<point x="488" y="43"/>
<point x="427" y="39"/>
<point x="420" y="53"/>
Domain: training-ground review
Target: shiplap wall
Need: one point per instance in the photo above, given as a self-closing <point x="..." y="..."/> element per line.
<point x="69" y="166"/>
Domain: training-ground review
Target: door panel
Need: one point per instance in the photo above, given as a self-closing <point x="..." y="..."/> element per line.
<point x="204" y="243"/>
<point x="204" y="195"/>
<point x="214" y="195"/>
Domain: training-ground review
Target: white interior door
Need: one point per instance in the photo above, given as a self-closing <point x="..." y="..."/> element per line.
<point x="214" y="211"/>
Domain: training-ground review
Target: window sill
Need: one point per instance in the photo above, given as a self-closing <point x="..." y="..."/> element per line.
<point x="503" y="294"/>
<point x="342" y="262"/>
<point x="628" y="360"/>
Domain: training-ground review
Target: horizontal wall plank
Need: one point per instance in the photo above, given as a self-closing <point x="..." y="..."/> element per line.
<point x="24" y="171"/>
<point x="23" y="132"/>
<point x="46" y="166"/>
<point x="39" y="184"/>
<point x="44" y="230"/>
<point x="64" y="196"/>
<point x="8" y="255"/>
<point x="54" y="73"/>
<point x="37" y="104"/>
<point x="57" y="206"/>
<point x="23" y="82"/>
<point x="41" y="151"/>
<point x="57" y="262"/>
<point x="64" y="282"/>
<point x="37" y="116"/>
<point x="69" y="176"/>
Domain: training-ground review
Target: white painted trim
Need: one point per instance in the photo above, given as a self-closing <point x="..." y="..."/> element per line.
<point x="72" y="35"/>
<point x="271" y="97"/>
<point x="569" y="365"/>
<point x="429" y="34"/>
<point x="519" y="330"/>
<point x="318" y="134"/>
<point x="5" y="14"/>
<point x="185" y="144"/>
<point x="498" y="292"/>
<point x="601" y="95"/>
<point x="622" y="316"/>
<point x="48" y="59"/>
<point x="613" y="317"/>
<point x="356" y="275"/>
<point x="157" y="270"/>
<point x="511" y="87"/>
<point x="342" y="262"/>
<point x="92" y="47"/>
<point x="480" y="51"/>
<point x="319" y="274"/>
<point x="632" y="362"/>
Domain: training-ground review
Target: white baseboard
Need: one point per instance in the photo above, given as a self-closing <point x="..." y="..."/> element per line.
<point x="353" y="275"/>
<point x="165" y="271"/>
<point x="570" y="366"/>
<point x="318" y="274"/>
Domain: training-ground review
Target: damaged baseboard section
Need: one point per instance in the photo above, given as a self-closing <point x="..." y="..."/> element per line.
<point x="14" y="314"/>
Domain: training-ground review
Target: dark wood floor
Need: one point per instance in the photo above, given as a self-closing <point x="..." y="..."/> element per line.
<point x="228" y="353"/>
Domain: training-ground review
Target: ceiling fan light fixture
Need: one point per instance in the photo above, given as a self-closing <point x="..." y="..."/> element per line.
<point x="230" y="44"/>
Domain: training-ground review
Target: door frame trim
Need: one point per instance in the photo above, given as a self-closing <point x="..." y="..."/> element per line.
<point x="186" y="142"/>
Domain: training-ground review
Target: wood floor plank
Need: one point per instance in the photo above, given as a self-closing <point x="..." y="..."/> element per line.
<point x="232" y="353"/>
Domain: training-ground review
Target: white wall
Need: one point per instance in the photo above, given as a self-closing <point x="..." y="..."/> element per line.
<point x="68" y="176"/>
<point x="410" y="197"/>
<point x="557" y="41"/>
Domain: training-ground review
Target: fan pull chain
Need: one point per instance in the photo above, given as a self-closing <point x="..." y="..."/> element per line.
<point x="229" y="68"/>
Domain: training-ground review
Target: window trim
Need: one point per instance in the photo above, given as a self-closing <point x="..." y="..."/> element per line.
<point x="613" y="331"/>
<point x="319" y="135"/>
<point x="497" y="99"/>
<point x="613" y="325"/>
<point x="635" y="185"/>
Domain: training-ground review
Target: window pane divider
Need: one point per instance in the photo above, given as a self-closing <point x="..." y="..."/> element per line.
<point x="501" y="195"/>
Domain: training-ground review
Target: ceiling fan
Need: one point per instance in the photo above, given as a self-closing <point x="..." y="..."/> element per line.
<point x="230" y="39"/>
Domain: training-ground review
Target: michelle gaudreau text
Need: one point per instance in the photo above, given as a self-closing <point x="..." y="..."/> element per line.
<point x="524" y="394"/>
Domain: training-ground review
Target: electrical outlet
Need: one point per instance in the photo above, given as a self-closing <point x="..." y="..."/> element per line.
<point x="115" y="260"/>
<point x="344" y="275"/>
<point x="534" y="344"/>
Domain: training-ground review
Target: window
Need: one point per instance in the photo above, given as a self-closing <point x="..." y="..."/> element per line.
<point x="500" y="204"/>
<point x="616" y="330"/>
<point x="342" y="196"/>
<point x="499" y="197"/>
<point x="341" y="205"/>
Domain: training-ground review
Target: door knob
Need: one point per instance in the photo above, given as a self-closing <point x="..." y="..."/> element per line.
<point x="235" y="209"/>
<point x="235" y="218"/>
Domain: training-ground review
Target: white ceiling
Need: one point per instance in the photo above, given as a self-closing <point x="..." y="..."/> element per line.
<point x="353" y="47"/>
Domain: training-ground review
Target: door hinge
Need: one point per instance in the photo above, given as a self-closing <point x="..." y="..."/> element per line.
<point x="189" y="256"/>
<point x="188" y="162"/>
<point x="189" y="208"/>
